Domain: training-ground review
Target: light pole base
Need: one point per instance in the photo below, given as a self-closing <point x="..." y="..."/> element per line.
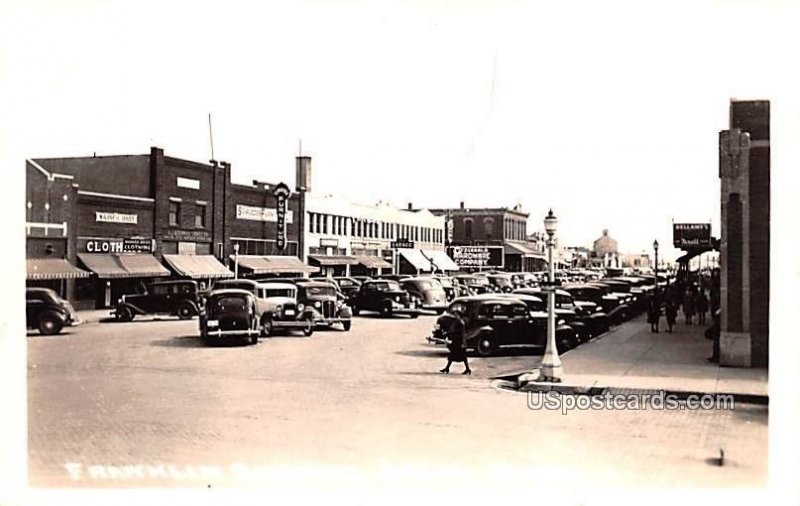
<point x="550" y="373"/>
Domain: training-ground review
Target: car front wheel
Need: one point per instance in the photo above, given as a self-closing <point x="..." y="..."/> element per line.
<point x="485" y="346"/>
<point x="49" y="325"/>
<point x="346" y="325"/>
<point x="266" y="327"/>
<point x="386" y="309"/>
<point x="124" y="314"/>
<point x="309" y="329"/>
<point x="185" y="312"/>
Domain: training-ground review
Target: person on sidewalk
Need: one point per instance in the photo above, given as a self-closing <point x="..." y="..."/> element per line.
<point x="702" y="307"/>
<point x="671" y="312"/>
<point x="654" y="313"/>
<point x="688" y="305"/>
<point x="457" y="345"/>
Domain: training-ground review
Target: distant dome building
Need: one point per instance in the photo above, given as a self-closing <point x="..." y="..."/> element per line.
<point x="605" y="245"/>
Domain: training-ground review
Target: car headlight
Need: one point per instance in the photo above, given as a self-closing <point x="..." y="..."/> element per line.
<point x="317" y="304"/>
<point x="300" y="307"/>
<point x="279" y="311"/>
<point x="561" y="322"/>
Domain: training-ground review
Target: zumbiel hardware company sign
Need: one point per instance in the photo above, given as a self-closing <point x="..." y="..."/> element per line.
<point x="476" y="256"/>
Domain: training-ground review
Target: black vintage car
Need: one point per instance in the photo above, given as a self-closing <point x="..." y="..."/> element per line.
<point x="348" y="286"/>
<point x="179" y="298"/>
<point x="613" y="306"/>
<point x="495" y="322"/>
<point x="230" y="313"/>
<point x="46" y="311"/>
<point x="587" y="325"/>
<point x="475" y="284"/>
<point x="326" y="303"/>
<point x="384" y="296"/>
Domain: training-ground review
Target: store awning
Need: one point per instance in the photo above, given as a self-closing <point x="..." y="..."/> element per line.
<point x="273" y="264"/>
<point x="198" y="266"/>
<point x="123" y="266"/>
<point x="53" y="268"/>
<point x="440" y="260"/>
<point x="515" y="248"/>
<point x="334" y="259"/>
<point x="371" y="262"/>
<point x="416" y="259"/>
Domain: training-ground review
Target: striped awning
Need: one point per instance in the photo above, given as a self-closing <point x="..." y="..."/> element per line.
<point x="333" y="259"/>
<point x="416" y="259"/>
<point x="440" y="260"/>
<point x="198" y="266"/>
<point x="371" y="262"/>
<point x="123" y="266"/>
<point x="273" y="264"/>
<point x="515" y="248"/>
<point x="53" y="268"/>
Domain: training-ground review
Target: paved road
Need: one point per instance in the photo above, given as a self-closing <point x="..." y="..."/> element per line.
<point x="146" y="404"/>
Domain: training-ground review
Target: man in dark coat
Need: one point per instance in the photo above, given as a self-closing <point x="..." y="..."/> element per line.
<point x="457" y="345"/>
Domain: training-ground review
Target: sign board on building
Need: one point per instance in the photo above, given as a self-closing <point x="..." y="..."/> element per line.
<point x="325" y="242"/>
<point x="260" y="214"/>
<point x="281" y="193"/>
<point x="402" y="243"/>
<point x="186" y="182"/>
<point x="476" y="256"/>
<point x="128" y="219"/>
<point x="133" y="245"/>
<point x="178" y="234"/>
<point x="187" y="248"/>
<point x="691" y="235"/>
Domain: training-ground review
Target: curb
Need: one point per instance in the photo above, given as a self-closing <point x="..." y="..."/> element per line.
<point x="510" y="383"/>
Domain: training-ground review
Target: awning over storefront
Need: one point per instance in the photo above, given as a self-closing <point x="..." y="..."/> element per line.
<point x="334" y="259"/>
<point x="515" y="248"/>
<point x="198" y="266"/>
<point x="440" y="260"/>
<point x="416" y="259"/>
<point x="53" y="268"/>
<point x="273" y="264"/>
<point x="371" y="262"/>
<point x="123" y="266"/>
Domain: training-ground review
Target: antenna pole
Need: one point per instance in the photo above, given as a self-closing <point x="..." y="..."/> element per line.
<point x="211" y="136"/>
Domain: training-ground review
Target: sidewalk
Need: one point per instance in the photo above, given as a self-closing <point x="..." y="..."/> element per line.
<point x="630" y="358"/>
<point x="88" y="316"/>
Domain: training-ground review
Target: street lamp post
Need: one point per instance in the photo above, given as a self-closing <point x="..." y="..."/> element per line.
<point x="551" y="363"/>
<point x="236" y="260"/>
<point x="655" y="271"/>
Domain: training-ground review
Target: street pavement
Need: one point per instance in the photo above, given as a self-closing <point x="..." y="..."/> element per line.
<point x="145" y="404"/>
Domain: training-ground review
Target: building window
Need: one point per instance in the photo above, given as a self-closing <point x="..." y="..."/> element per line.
<point x="200" y="216"/>
<point x="324" y="223"/>
<point x="468" y="229"/>
<point x="488" y="227"/>
<point x="174" y="214"/>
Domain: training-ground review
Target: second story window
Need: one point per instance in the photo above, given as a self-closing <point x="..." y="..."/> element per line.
<point x="200" y="216"/>
<point x="174" y="213"/>
<point x="468" y="229"/>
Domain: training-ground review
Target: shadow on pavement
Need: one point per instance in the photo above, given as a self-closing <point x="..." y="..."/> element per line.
<point x="437" y="352"/>
<point x="180" y="342"/>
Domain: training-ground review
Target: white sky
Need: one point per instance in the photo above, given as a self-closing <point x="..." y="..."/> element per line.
<point x="608" y="112"/>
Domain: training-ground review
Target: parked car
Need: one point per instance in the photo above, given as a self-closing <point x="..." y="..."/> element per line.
<point x="501" y="282"/>
<point x="476" y="284"/>
<point x="276" y="305"/>
<point x="396" y="277"/>
<point x="47" y="311"/>
<point x="493" y="322"/>
<point x="583" y="316"/>
<point x="229" y="313"/>
<point x="448" y="286"/>
<point x="179" y="298"/>
<point x="348" y="286"/>
<point x="427" y="292"/>
<point x="384" y="296"/>
<point x="612" y="305"/>
<point x="325" y="302"/>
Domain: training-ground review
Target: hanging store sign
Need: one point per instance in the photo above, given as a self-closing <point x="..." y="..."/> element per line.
<point x="476" y="256"/>
<point x="134" y="245"/>
<point x="402" y="243"/>
<point x="186" y="182"/>
<point x="260" y="214"/>
<point x="691" y="235"/>
<point x="325" y="242"/>
<point x="128" y="219"/>
<point x="281" y="193"/>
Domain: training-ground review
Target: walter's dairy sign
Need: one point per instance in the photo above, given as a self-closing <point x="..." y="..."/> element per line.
<point x="254" y="213"/>
<point x="128" y="219"/>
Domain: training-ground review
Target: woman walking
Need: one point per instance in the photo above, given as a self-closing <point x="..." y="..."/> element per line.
<point x="702" y="307"/>
<point x="671" y="312"/>
<point x="688" y="305"/>
<point x="654" y="314"/>
<point x="457" y="345"/>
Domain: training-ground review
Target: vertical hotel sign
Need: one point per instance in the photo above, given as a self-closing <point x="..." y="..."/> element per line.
<point x="281" y="193"/>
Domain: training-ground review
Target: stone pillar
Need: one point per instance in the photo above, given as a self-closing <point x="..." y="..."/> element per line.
<point x="744" y="246"/>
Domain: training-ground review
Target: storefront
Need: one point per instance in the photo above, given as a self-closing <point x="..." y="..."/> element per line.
<point x="52" y="273"/>
<point x="254" y="266"/>
<point x="115" y="275"/>
<point x="202" y="268"/>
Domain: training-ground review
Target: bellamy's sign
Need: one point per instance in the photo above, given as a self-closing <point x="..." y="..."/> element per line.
<point x="691" y="235"/>
<point x="476" y="256"/>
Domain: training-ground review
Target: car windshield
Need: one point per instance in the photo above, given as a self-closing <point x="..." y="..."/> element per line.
<point x="279" y="292"/>
<point x="428" y="284"/>
<point x="475" y="281"/>
<point x="445" y="282"/>
<point x="326" y="291"/>
<point x="459" y="307"/>
<point x="386" y="286"/>
<point x="500" y="280"/>
<point x="229" y="303"/>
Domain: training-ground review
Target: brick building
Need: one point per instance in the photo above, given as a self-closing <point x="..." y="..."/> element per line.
<point x="744" y="171"/>
<point x="101" y="227"/>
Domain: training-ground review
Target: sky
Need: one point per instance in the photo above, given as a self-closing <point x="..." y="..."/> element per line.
<point x="606" y="112"/>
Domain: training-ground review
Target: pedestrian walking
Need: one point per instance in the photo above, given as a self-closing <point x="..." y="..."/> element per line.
<point x="688" y="305"/>
<point x="457" y="345"/>
<point x="654" y="314"/>
<point x="702" y="307"/>
<point x="671" y="312"/>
